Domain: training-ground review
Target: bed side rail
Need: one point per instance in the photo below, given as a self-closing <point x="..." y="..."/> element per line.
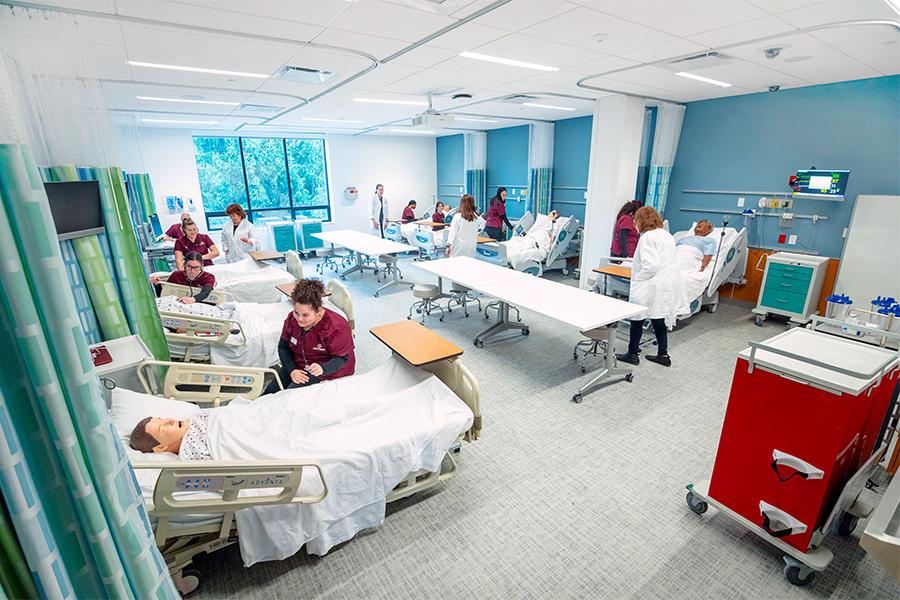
<point x="195" y="329"/>
<point x="460" y="380"/>
<point x="733" y="261"/>
<point x="561" y="240"/>
<point x="343" y="299"/>
<point x="278" y="482"/>
<point x="181" y="291"/>
<point x="203" y="384"/>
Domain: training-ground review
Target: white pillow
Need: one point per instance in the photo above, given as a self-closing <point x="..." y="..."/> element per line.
<point x="128" y="408"/>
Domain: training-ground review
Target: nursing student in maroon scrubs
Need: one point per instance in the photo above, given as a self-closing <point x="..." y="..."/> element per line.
<point x="192" y="276"/>
<point x="174" y="232"/>
<point x="193" y="241"/>
<point x="316" y="343"/>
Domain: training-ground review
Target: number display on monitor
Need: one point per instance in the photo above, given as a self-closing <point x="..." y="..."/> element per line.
<point x="821" y="184"/>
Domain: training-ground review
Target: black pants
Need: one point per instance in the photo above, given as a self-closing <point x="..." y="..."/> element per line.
<point x="659" y="328"/>
<point x="495" y="233"/>
<point x="285" y="377"/>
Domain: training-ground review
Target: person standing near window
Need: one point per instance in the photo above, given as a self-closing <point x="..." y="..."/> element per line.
<point x="237" y="234"/>
<point x="194" y="241"/>
<point x="496" y="216"/>
<point x="378" y="211"/>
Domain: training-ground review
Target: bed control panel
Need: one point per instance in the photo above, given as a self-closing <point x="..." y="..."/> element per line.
<point x="194" y="484"/>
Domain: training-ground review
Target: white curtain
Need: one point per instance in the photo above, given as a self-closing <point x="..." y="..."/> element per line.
<point x="540" y="146"/>
<point x="475" y="143"/>
<point x="669" y="118"/>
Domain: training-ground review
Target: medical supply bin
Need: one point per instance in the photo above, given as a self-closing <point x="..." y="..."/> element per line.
<point x="803" y="419"/>
<point x="791" y="286"/>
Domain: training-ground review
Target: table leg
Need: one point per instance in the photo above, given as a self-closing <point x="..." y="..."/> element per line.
<point x="503" y="323"/>
<point x="359" y="266"/>
<point x="396" y="280"/>
<point x="609" y="367"/>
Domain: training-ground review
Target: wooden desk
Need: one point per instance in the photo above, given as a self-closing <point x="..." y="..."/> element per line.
<point x="614" y="271"/>
<point x="430" y="223"/>
<point x="288" y="288"/>
<point x="417" y="344"/>
<point x="266" y="255"/>
<point x="484" y="240"/>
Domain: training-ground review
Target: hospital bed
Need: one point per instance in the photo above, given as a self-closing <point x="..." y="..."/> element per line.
<point x="250" y="280"/>
<point x="193" y="505"/>
<point x="234" y="333"/>
<point x="700" y="287"/>
<point x="537" y="246"/>
<point x="423" y="238"/>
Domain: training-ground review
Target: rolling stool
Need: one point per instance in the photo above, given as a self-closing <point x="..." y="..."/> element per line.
<point x="460" y="295"/>
<point x="594" y="345"/>
<point x="496" y="306"/>
<point x="428" y="293"/>
<point x="390" y="264"/>
<point x="327" y="255"/>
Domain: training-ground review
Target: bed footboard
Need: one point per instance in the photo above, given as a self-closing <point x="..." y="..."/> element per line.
<point x="458" y="378"/>
<point x="341" y="297"/>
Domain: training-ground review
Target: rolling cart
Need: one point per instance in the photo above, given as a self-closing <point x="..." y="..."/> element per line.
<point x="801" y="436"/>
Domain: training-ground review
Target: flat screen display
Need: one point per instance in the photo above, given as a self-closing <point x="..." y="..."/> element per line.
<point x="821" y="183"/>
<point x="75" y="206"/>
<point x="155" y="225"/>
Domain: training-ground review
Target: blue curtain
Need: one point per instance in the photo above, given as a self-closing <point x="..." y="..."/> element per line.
<point x="541" y="186"/>
<point x="658" y="187"/>
<point x="476" y="186"/>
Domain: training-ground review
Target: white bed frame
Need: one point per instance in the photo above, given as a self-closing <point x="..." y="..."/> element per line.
<point x="211" y="385"/>
<point x="566" y="245"/>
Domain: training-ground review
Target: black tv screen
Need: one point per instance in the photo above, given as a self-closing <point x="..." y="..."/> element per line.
<point x="75" y="206"/>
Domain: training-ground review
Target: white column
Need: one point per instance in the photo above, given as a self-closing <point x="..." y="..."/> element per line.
<point x="612" y="174"/>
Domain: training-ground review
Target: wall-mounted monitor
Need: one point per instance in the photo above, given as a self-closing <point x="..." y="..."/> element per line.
<point x="156" y="227"/>
<point x="824" y="184"/>
<point x="75" y="206"/>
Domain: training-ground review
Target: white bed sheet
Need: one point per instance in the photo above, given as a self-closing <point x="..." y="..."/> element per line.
<point x="535" y="245"/>
<point x="695" y="282"/>
<point x="249" y="281"/>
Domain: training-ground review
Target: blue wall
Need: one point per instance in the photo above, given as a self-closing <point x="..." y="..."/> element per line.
<point x="571" y="158"/>
<point x="451" y="176"/>
<point x="755" y="142"/>
<point x="507" y="165"/>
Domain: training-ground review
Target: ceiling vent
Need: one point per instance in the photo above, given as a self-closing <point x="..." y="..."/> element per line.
<point x="304" y="74"/>
<point x="699" y="61"/>
<point x="519" y="99"/>
<point x="265" y="109"/>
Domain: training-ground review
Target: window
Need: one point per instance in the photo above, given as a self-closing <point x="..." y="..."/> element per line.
<point x="271" y="178"/>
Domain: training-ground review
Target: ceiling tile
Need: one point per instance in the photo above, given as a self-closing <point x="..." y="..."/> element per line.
<point x="390" y="20"/>
<point x="537" y="50"/>
<point x="222" y="49"/>
<point x="520" y="14"/>
<point x="578" y="28"/>
<point x="665" y="50"/>
<point x="432" y="79"/>
<point x="604" y="65"/>
<point x="377" y="46"/>
<point x="877" y="46"/>
<point x="614" y="85"/>
<point x="839" y="10"/>
<point x="316" y="12"/>
<point x="751" y="76"/>
<point x="425" y="56"/>
<point x="681" y="18"/>
<point x="779" y="6"/>
<point x="383" y="75"/>
<point x="750" y="30"/>
<point x="467" y="37"/>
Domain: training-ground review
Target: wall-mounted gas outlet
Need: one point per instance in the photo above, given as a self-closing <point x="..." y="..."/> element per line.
<point x="741" y="202"/>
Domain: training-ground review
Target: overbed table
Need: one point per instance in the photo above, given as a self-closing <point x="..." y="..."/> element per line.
<point x="571" y="305"/>
<point x="364" y="244"/>
<point x="415" y="343"/>
<point x="263" y="255"/>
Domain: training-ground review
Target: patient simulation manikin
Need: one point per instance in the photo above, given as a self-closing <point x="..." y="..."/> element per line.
<point x="186" y="438"/>
<point x="701" y="241"/>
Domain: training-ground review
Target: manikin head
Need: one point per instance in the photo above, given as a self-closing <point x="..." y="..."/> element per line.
<point x="158" y="434"/>
<point x="307" y="301"/>
<point x="703" y="228"/>
<point x="193" y="265"/>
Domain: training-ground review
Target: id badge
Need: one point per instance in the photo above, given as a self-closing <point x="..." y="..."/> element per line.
<point x="293" y="341"/>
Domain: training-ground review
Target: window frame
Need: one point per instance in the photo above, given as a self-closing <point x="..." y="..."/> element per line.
<point x="294" y="209"/>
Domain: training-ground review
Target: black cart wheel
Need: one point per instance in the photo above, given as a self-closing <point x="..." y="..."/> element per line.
<point x="759" y="320"/>
<point x="577" y="398"/>
<point x="526" y="331"/>
<point x="695" y="504"/>
<point x="629" y="377"/>
<point x="793" y="574"/>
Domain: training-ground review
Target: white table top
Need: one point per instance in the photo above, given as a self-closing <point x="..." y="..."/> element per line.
<point x="471" y="272"/>
<point x="568" y="304"/>
<point x="833" y="350"/>
<point x="363" y="243"/>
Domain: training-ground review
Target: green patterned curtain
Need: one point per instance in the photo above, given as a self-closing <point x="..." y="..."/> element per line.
<point x="541" y="184"/>
<point x="81" y="524"/>
<point x="476" y="186"/>
<point x="15" y="577"/>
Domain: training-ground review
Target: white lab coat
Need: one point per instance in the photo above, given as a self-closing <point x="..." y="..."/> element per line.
<point x="655" y="278"/>
<point x="235" y="249"/>
<point x="462" y="236"/>
<point x="374" y="210"/>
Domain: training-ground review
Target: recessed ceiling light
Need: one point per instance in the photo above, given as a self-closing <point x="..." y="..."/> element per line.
<point x="550" y="106"/>
<point x="180" y="122"/>
<point x="422" y="131"/>
<point x="136" y="63"/>
<point x="216" y="102"/>
<point x="507" y="61"/>
<point x="473" y="120"/>
<point x="329" y="120"/>
<point x="795" y="59"/>
<point x="384" y="101"/>
<point x="703" y="79"/>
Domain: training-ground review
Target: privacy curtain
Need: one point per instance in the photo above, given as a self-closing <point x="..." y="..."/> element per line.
<point x="540" y="166"/>
<point x="81" y="523"/>
<point x="475" y="159"/>
<point x="669" y="118"/>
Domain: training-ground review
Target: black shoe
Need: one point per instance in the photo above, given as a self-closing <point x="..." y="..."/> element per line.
<point x="660" y="359"/>
<point x="629" y="358"/>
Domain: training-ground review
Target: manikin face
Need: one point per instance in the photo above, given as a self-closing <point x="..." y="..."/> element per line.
<point x="191" y="231"/>
<point x="306" y="316"/>
<point x="192" y="269"/>
<point x="236" y="219"/>
<point x="702" y="229"/>
<point x="168" y="432"/>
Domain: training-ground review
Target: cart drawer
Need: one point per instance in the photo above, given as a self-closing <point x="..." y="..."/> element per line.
<point x="798" y="286"/>
<point x="783" y="300"/>
<point x="790" y="271"/>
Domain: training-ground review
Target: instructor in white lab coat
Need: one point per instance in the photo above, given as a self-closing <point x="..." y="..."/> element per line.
<point x="463" y="229"/>
<point x="656" y="284"/>
<point x="238" y="234"/>
<point x="378" y="211"/>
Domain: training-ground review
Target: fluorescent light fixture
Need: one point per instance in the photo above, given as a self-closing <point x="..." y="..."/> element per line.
<point x="507" y="61"/>
<point x="550" y="106"/>
<point x="703" y="79"/>
<point x="382" y="101"/>
<point x="136" y="63"/>
<point x="216" y="102"/>
<point x="422" y="131"/>
<point x="329" y="120"/>
<point x="473" y="120"/>
<point x="180" y="122"/>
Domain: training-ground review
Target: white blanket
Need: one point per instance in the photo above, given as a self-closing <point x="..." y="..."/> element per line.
<point x="248" y="281"/>
<point x="368" y="431"/>
<point x="535" y="245"/>
<point x="693" y="280"/>
<point x="261" y="324"/>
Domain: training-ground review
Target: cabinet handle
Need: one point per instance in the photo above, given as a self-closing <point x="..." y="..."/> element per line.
<point x="782" y="300"/>
<point x="800" y="467"/>
<point x="772" y="514"/>
<point x="783" y="284"/>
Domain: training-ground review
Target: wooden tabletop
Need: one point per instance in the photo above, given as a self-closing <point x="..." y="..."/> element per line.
<point x="614" y="270"/>
<point x="417" y="344"/>
<point x="266" y="255"/>
<point x="288" y="288"/>
<point x="485" y="240"/>
<point x="430" y="223"/>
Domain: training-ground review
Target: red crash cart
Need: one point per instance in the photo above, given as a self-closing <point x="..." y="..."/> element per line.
<point x="799" y="440"/>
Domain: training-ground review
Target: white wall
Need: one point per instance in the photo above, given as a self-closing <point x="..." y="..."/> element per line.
<point x="405" y="166"/>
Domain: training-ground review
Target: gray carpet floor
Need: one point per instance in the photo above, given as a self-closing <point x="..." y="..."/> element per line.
<point x="559" y="500"/>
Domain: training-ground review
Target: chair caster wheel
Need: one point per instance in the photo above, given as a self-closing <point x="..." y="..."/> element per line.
<point x="583" y="370"/>
<point x="696" y="505"/>
<point x="518" y="319"/>
<point x="577" y="398"/>
<point x="441" y="319"/>
<point x="409" y="318"/>
<point x="526" y="331"/>
<point x="479" y="343"/>
<point x="449" y="310"/>
<point x="343" y="278"/>
<point x="629" y="377"/>
<point x="376" y="294"/>
<point x="467" y="315"/>
<point x="759" y="321"/>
